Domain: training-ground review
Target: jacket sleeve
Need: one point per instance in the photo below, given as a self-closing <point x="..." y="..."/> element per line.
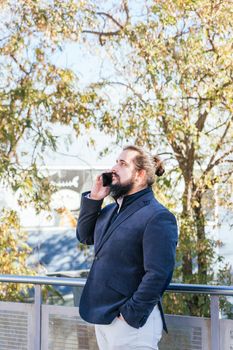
<point x="89" y="212"/>
<point x="159" y="247"/>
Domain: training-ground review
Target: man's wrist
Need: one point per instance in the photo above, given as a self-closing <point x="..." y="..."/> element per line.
<point x="89" y="196"/>
<point x="95" y="198"/>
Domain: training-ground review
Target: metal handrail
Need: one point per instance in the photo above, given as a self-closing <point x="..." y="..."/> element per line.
<point x="80" y="282"/>
<point x="38" y="281"/>
<point x="42" y="280"/>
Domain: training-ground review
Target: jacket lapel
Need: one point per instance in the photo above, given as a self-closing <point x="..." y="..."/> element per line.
<point x="131" y="209"/>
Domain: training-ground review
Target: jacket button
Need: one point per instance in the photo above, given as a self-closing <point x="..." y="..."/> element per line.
<point x="96" y="257"/>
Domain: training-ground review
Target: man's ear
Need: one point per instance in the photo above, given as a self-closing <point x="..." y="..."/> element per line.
<point x="141" y="175"/>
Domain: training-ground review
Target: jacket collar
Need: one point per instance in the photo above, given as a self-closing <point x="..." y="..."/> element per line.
<point x="125" y="201"/>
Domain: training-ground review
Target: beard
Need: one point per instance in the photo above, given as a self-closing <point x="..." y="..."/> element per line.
<point x="119" y="190"/>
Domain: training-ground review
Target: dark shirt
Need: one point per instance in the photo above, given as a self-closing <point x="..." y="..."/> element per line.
<point x="127" y="200"/>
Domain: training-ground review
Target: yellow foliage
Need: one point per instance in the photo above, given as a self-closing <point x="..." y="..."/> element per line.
<point x="13" y="255"/>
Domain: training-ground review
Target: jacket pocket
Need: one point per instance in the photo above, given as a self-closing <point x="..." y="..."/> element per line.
<point x="120" y="287"/>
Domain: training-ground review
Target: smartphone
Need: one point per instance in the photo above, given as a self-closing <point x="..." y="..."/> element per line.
<point x="107" y="179"/>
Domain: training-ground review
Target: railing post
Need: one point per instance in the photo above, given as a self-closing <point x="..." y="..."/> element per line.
<point x="37" y="303"/>
<point x="215" y="322"/>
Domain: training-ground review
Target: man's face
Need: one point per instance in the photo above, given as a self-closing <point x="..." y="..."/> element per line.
<point x="124" y="173"/>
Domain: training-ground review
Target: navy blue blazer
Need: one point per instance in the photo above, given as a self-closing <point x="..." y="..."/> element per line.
<point x="134" y="259"/>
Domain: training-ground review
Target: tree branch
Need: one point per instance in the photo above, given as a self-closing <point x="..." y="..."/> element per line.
<point x="4" y="38"/>
<point x="19" y="64"/>
<point x="228" y="175"/>
<point x="217" y="127"/>
<point x="102" y="33"/>
<point x="110" y="17"/>
<point x="200" y="123"/>
<point x="177" y="150"/>
<point x="125" y="85"/>
<point x="211" y="41"/>
<point x="211" y="162"/>
<point x="219" y="160"/>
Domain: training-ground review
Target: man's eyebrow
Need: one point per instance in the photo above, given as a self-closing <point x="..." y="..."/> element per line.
<point x="121" y="160"/>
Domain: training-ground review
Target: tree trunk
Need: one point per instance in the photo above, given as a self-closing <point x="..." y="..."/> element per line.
<point x="186" y="222"/>
<point x="204" y="250"/>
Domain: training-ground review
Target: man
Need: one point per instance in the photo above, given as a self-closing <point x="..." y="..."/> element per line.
<point x="135" y="241"/>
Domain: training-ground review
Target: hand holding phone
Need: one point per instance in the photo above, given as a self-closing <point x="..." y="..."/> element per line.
<point x="100" y="188"/>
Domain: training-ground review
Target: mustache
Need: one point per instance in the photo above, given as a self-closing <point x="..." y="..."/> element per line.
<point x="116" y="175"/>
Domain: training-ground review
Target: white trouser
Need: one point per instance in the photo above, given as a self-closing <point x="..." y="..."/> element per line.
<point x="119" y="335"/>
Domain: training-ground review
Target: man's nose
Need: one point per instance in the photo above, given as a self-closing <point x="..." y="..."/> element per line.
<point x="113" y="170"/>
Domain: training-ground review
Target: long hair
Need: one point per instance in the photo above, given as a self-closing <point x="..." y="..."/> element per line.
<point x="144" y="161"/>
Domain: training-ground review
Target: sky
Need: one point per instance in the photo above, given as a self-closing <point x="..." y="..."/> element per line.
<point x="88" y="65"/>
<point x="79" y="153"/>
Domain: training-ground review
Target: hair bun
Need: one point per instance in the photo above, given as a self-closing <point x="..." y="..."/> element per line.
<point x="159" y="168"/>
